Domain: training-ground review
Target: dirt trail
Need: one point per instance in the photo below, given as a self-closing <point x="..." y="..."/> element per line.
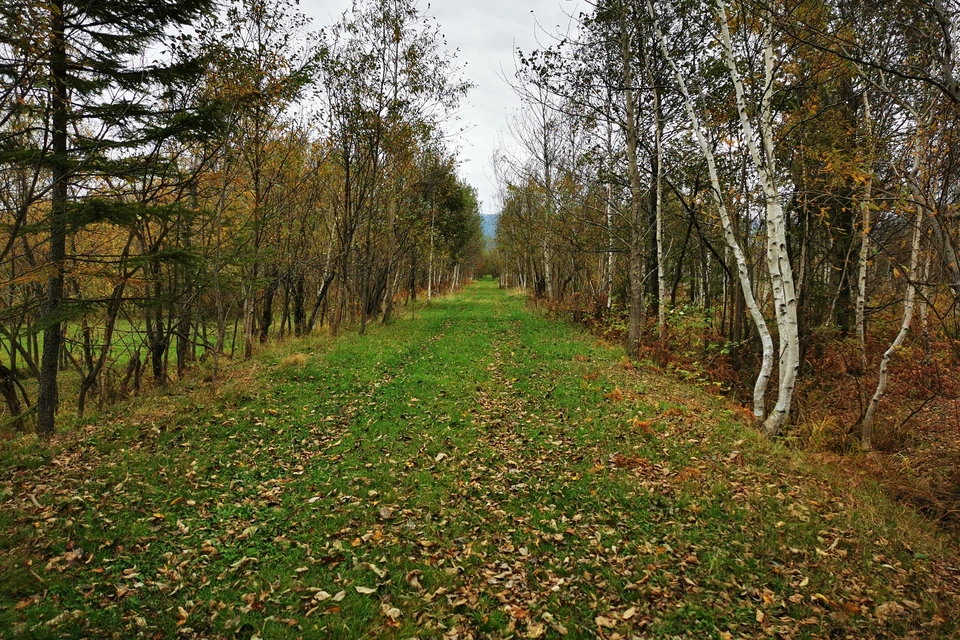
<point x="475" y="472"/>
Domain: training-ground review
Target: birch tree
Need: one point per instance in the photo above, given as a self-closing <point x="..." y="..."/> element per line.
<point x="909" y="305"/>
<point x="778" y="258"/>
<point x="733" y="243"/>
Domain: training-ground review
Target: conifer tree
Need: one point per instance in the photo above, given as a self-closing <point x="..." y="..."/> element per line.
<point x="93" y="81"/>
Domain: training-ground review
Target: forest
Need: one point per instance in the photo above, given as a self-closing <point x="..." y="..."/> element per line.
<point x="264" y="376"/>
<point x="758" y="195"/>
<point x="184" y="181"/>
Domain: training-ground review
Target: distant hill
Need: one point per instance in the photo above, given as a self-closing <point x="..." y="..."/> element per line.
<point x="490" y="224"/>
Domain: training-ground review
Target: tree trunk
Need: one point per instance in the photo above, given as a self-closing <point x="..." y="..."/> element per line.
<point x="908" y="309"/>
<point x="266" y="314"/>
<point x="95" y="370"/>
<point x="652" y="267"/>
<point x="658" y="223"/>
<point x="48" y="398"/>
<point x="636" y="222"/>
<point x="391" y="259"/>
<point x="299" y="308"/>
<point x="185" y="320"/>
<point x="248" y="315"/>
<point x="8" y="388"/>
<point x="430" y="261"/>
<point x="608" y="286"/>
<point x="743" y="272"/>
<point x="778" y="259"/>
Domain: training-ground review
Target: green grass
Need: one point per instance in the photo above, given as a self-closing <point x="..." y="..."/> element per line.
<point x="476" y="470"/>
<point x="128" y="339"/>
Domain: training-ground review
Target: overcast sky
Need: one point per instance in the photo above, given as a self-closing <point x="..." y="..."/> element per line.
<point x="486" y="32"/>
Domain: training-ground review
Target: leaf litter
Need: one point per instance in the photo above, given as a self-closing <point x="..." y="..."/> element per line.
<point x="494" y="475"/>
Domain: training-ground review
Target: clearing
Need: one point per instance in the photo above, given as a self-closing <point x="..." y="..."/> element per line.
<point x="472" y="471"/>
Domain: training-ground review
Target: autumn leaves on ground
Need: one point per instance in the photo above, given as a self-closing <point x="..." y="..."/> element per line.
<point x="472" y="470"/>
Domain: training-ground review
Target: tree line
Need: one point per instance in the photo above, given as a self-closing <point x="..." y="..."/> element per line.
<point x="183" y="180"/>
<point x="786" y="170"/>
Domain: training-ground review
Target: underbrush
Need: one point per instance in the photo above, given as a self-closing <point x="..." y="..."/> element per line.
<point x="916" y="440"/>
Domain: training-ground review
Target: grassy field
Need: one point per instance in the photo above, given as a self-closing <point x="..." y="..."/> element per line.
<point x="473" y="471"/>
<point x="128" y="339"/>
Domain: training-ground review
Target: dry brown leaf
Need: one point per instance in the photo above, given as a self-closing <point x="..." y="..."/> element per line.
<point x="390" y="611"/>
<point x="889" y="610"/>
<point x="603" y="621"/>
<point x="413" y="579"/>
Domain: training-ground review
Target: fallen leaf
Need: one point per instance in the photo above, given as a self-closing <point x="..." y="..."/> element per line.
<point x="603" y="621"/>
<point x="889" y="610"/>
<point x="243" y="562"/>
<point x="518" y="613"/>
<point x="391" y="612"/>
<point x="413" y="579"/>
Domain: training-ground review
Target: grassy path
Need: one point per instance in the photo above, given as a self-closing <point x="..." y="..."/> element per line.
<point x="476" y="471"/>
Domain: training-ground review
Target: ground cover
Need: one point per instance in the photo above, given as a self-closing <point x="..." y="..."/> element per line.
<point x="476" y="471"/>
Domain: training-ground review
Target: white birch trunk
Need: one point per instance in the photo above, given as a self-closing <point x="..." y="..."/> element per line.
<point x="430" y="262"/>
<point x="661" y="272"/>
<point x="924" y="297"/>
<point x="609" y="283"/>
<point x="547" y="264"/>
<point x="609" y="208"/>
<point x="778" y="261"/>
<point x="950" y="255"/>
<point x="909" y="296"/>
<point x="636" y="224"/>
<point x="743" y="272"/>
<point x="908" y="309"/>
<point x="865" y="223"/>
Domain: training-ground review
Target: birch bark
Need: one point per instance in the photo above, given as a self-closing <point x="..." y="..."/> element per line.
<point x="865" y="223"/>
<point x="909" y="304"/>
<point x="743" y="272"/>
<point x="778" y="260"/>
<point x="658" y="149"/>
<point x="909" y="297"/>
